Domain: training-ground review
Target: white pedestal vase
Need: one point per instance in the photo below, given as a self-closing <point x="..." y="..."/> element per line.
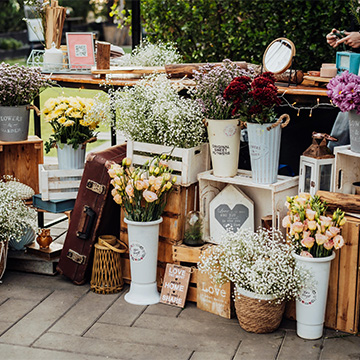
<point x="354" y="131"/>
<point x="143" y="251"/>
<point x="224" y="139"/>
<point x="70" y="158"/>
<point x="311" y="303"/>
<point x="264" y="148"/>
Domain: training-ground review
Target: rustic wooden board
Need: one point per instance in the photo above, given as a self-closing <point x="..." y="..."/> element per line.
<point x="141" y="70"/>
<point x="317" y="79"/>
<point x="346" y="202"/>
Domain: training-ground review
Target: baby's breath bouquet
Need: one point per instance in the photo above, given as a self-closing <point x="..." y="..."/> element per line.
<point x="152" y="111"/>
<point x="260" y="262"/>
<point x="147" y="54"/>
<point x="69" y="121"/>
<point x="142" y="191"/>
<point x="15" y="216"/>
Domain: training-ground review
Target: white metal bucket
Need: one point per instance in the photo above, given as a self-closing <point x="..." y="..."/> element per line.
<point x="264" y="147"/>
<point x="143" y="253"/>
<point x="311" y="303"/>
<point x="14" y="123"/>
<point x="224" y="139"/>
<point x="354" y="131"/>
<point x="69" y="158"/>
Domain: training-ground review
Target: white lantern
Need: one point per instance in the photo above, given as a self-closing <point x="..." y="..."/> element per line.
<point x="316" y="166"/>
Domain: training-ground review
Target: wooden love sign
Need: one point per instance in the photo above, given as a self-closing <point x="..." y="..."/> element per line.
<point x="175" y="285"/>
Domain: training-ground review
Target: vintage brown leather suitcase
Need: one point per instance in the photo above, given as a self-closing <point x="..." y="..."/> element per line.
<point x="95" y="213"/>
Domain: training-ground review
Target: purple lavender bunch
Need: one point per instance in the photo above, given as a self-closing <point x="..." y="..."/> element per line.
<point x="211" y="81"/>
<point x="20" y="85"/>
<point x="344" y="91"/>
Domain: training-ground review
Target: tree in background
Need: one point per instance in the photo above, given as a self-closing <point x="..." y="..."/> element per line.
<point x="11" y="14"/>
<point x="211" y="30"/>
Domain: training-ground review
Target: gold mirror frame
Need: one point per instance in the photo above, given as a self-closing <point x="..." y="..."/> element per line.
<point x="281" y="50"/>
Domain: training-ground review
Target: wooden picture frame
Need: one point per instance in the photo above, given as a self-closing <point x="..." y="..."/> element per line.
<point x="80" y="47"/>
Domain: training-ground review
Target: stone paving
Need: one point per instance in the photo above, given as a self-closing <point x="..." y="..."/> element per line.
<point x="47" y="317"/>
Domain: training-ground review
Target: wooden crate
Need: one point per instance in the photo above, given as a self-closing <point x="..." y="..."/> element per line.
<point x="58" y="184"/>
<point x="343" y="302"/>
<point x="269" y="199"/>
<point x="181" y="200"/>
<point x="186" y="163"/>
<point x="346" y="170"/>
<point x="21" y="159"/>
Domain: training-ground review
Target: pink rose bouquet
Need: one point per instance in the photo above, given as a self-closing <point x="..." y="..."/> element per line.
<point x="142" y="191"/>
<point x="313" y="232"/>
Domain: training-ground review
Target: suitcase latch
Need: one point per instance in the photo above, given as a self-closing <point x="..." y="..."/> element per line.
<point x="95" y="187"/>
<point x="76" y="257"/>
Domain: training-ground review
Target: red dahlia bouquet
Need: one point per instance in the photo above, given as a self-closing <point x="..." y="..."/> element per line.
<point x="253" y="100"/>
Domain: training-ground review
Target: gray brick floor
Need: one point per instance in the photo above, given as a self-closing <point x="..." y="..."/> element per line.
<point x="47" y="317"/>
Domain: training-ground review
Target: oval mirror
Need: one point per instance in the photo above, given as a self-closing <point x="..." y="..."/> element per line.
<point x="278" y="55"/>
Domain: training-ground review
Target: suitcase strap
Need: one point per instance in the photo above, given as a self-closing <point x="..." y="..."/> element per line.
<point x="86" y="226"/>
<point x="76" y="257"/>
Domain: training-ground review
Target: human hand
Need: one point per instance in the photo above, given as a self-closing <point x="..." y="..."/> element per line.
<point x="332" y="39"/>
<point x="352" y="39"/>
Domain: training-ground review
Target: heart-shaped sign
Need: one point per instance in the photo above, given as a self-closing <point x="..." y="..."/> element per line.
<point x="231" y="219"/>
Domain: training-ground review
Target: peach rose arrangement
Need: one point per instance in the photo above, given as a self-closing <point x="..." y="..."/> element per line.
<point x="313" y="232"/>
<point x="142" y="191"/>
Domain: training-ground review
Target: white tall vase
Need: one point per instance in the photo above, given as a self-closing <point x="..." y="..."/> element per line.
<point x="311" y="303"/>
<point x="354" y="131"/>
<point x="70" y="158"/>
<point x="143" y="250"/>
<point x="224" y="139"/>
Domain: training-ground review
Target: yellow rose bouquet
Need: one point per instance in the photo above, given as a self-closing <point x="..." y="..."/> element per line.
<point x="70" y="121"/>
<point x="142" y="191"/>
<point x="313" y="232"/>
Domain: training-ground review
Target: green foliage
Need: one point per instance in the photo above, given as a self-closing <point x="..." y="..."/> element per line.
<point x="212" y="30"/>
<point x="10" y="44"/>
<point x="11" y="14"/>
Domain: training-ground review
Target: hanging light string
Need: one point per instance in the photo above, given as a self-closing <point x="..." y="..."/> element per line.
<point x="299" y="108"/>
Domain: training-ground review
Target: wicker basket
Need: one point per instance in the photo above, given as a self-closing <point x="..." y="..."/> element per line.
<point x="106" y="277"/>
<point x="257" y="315"/>
<point x="4" y="245"/>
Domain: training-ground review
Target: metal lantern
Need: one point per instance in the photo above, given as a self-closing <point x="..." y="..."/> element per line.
<point x="316" y="165"/>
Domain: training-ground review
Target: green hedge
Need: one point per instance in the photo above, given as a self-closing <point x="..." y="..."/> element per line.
<point x="211" y="30"/>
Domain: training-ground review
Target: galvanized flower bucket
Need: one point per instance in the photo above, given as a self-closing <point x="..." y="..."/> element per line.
<point x="14" y="123"/>
<point x="264" y="147"/>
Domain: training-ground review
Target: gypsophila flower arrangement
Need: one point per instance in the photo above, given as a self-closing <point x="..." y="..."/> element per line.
<point x="152" y="111"/>
<point x="15" y="216"/>
<point x="142" y="191"/>
<point x="313" y="233"/>
<point x="68" y="119"/>
<point x="260" y="262"/>
<point x="20" y="85"/>
<point x="211" y="82"/>
<point x="253" y="100"/>
<point x="147" y="54"/>
<point x="344" y="91"/>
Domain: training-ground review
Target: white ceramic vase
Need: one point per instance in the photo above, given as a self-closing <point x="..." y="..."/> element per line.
<point x="143" y="252"/>
<point x="311" y="303"/>
<point x="70" y="158"/>
<point x="354" y="131"/>
<point x="224" y="139"/>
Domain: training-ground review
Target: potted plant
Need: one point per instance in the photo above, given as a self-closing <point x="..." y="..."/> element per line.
<point x="155" y="119"/>
<point x="223" y="128"/>
<point x="73" y="125"/>
<point x="142" y="194"/>
<point x="261" y="267"/>
<point x="16" y="218"/>
<point x="315" y="236"/>
<point x="254" y="100"/>
<point x="343" y="90"/>
<point x="19" y="86"/>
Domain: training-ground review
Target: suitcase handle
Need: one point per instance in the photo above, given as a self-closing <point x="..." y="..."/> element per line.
<point x="84" y="233"/>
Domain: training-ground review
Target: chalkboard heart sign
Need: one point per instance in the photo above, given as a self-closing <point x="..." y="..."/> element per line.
<point x="231" y="219"/>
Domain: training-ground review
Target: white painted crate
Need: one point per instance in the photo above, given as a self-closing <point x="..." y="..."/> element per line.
<point x="269" y="199"/>
<point x="346" y="169"/>
<point x="55" y="184"/>
<point x="189" y="162"/>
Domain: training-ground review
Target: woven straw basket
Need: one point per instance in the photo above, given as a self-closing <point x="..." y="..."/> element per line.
<point x="258" y="316"/>
<point x="106" y="277"/>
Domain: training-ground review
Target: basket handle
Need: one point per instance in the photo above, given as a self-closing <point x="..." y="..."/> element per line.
<point x="279" y="122"/>
<point x="106" y="244"/>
